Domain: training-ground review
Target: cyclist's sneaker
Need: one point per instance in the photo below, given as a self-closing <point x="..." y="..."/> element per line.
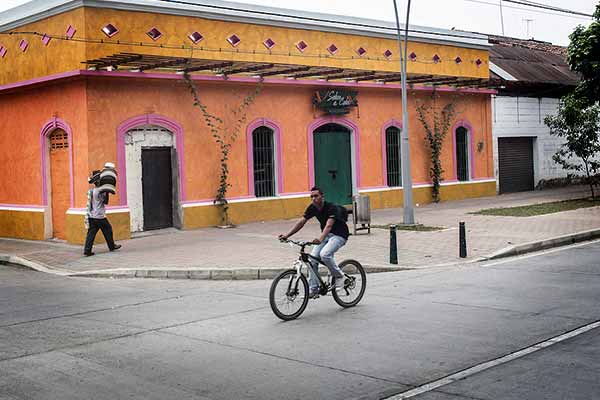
<point x="313" y="293"/>
<point x="339" y="283"/>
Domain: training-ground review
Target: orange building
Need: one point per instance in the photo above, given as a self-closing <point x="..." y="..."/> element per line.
<point x="88" y="82"/>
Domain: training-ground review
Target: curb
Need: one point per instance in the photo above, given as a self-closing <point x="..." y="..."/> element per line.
<point x="241" y="274"/>
<point x="187" y="273"/>
<point x="199" y="273"/>
<point x="23" y="262"/>
<point x="544" y="244"/>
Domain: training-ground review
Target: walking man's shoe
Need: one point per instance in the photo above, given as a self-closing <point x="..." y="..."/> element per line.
<point x="117" y="247"/>
<point x="89" y="254"/>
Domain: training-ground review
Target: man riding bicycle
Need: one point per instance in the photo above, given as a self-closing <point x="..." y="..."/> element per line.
<point x="334" y="234"/>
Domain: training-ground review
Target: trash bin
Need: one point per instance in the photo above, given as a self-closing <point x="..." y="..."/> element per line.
<point x="361" y="213"/>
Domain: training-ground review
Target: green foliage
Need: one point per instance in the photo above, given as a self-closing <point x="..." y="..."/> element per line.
<point x="224" y="135"/>
<point x="580" y="129"/>
<point x="436" y="124"/>
<point x="583" y="56"/>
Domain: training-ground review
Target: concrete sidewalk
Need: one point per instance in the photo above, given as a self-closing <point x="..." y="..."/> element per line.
<point x="251" y="251"/>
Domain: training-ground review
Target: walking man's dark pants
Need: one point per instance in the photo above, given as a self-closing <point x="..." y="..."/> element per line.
<point x="95" y="225"/>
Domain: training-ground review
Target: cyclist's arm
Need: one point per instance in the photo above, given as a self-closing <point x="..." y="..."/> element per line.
<point x="299" y="225"/>
<point x="327" y="229"/>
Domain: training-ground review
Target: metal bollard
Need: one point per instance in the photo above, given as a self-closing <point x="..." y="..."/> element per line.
<point x="393" y="246"/>
<point x="462" y="240"/>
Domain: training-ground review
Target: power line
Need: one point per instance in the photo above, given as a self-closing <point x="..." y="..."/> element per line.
<point x="313" y="19"/>
<point x="219" y="50"/>
<point x="525" y="9"/>
<point x="546" y="7"/>
<point x="361" y="25"/>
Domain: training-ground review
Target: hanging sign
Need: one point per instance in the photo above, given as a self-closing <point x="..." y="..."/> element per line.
<point x="335" y="101"/>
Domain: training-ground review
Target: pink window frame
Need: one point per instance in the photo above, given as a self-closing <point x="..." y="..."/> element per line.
<point x="355" y="132"/>
<point x="390" y="123"/>
<point x="464" y="124"/>
<point x="142" y="120"/>
<point x="49" y="127"/>
<point x="278" y="153"/>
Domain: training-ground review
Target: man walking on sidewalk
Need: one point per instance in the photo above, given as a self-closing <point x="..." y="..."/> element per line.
<point x="95" y="218"/>
<point x="334" y="234"/>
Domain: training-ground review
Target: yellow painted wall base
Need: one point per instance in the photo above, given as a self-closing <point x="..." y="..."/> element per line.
<point x="22" y="224"/>
<point x="243" y="212"/>
<point x="76" y="230"/>
<point x="266" y="210"/>
<point x="30" y="225"/>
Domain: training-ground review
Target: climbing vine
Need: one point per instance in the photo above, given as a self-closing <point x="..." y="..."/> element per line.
<point x="224" y="135"/>
<point x="436" y="123"/>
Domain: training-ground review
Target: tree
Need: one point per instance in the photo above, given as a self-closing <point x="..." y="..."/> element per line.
<point x="436" y="124"/>
<point x="580" y="128"/>
<point x="583" y="56"/>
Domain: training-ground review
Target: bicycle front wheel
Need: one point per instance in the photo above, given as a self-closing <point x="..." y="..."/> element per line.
<point x="288" y="295"/>
<point x="355" y="283"/>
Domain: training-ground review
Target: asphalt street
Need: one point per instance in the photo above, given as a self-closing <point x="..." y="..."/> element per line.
<point x="83" y="338"/>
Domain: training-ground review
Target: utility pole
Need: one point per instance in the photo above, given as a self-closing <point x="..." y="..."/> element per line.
<point x="501" y="18"/>
<point x="409" y="212"/>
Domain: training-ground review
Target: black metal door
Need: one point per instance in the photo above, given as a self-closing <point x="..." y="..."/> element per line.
<point x="515" y="164"/>
<point x="157" y="188"/>
<point x="462" y="158"/>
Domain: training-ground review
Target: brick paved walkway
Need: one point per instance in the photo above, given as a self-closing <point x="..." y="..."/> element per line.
<point x="253" y="246"/>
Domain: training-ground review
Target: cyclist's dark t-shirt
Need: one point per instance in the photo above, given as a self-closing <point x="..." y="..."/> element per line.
<point x="329" y="210"/>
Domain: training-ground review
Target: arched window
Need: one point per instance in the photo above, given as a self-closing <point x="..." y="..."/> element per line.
<point x="393" y="156"/>
<point x="263" y="152"/>
<point x="462" y="154"/>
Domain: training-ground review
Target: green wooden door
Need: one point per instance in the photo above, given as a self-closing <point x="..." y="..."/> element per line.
<point x="333" y="169"/>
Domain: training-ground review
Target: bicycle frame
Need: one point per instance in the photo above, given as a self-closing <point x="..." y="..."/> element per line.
<point x="304" y="259"/>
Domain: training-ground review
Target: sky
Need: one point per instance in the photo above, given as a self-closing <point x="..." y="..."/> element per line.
<point x="470" y="15"/>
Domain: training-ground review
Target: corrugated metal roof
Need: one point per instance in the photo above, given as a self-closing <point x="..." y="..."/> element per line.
<point x="533" y="66"/>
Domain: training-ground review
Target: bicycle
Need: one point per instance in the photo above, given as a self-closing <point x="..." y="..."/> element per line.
<point x="289" y="292"/>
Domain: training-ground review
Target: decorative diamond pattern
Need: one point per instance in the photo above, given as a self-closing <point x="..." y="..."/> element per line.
<point x="154" y="33"/>
<point x="23" y="44"/>
<point x="3" y="51"/>
<point x="332" y="49"/>
<point x="301" y="45"/>
<point x="478" y="62"/>
<point x="110" y="30"/>
<point x="71" y="32"/>
<point x="46" y="39"/>
<point x="436" y="58"/>
<point x="234" y="40"/>
<point x="388" y="53"/>
<point x="269" y="43"/>
<point x="361" y="51"/>
<point x="196" y="37"/>
<point x="458" y="60"/>
<point x="412" y="56"/>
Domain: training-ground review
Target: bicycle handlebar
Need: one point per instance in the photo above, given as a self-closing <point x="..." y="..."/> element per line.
<point x="297" y="243"/>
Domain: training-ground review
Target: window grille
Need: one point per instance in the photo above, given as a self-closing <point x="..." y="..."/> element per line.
<point x="264" y="166"/>
<point x="393" y="158"/>
<point x="59" y="140"/>
<point x="462" y="154"/>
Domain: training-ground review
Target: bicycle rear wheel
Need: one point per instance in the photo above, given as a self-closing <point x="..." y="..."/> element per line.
<point x="288" y="295"/>
<point x="355" y="283"/>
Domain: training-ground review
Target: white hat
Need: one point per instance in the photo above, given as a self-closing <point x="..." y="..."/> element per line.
<point x="109" y="165"/>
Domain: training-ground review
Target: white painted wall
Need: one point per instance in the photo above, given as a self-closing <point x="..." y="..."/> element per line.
<point x="524" y="116"/>
<point x="135" y="140"/>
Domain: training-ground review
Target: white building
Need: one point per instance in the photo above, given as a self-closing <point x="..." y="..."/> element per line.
<point x="533" y="76"/>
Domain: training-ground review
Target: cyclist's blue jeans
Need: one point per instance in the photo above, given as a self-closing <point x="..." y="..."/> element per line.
<point x="325" y="251"/>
